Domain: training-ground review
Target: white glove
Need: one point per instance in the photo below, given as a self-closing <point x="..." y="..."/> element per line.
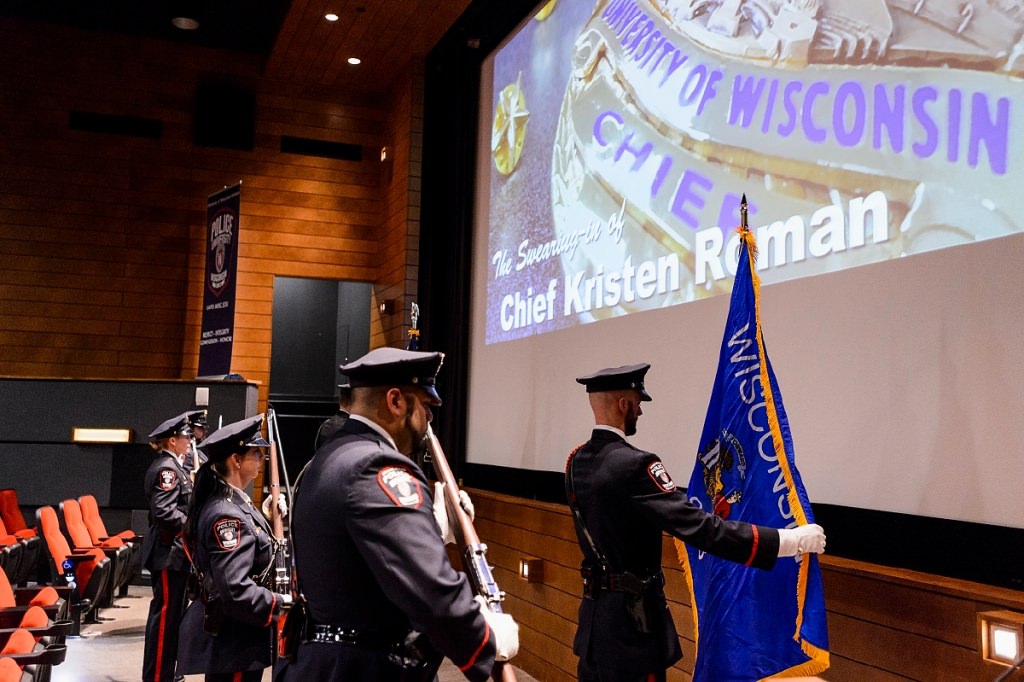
<point x="282" y="505"/>
<point x="506" y="631"/>
<point x="800" y="540"/>
<point x="441" y="511"/>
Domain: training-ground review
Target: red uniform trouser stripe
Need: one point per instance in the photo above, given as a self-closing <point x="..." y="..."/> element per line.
<point x="163" y="626"/>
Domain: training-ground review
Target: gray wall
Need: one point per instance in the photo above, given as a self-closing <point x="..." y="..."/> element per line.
<point x="38" y="459"/>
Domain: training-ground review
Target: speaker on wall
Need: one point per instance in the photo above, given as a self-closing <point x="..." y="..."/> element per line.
<point x="225" y="117"/>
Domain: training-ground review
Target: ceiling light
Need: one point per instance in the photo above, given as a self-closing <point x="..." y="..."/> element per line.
<point x="354" y="60"/>
<point x="185" y="23"/>
<point x="331" y="16"/>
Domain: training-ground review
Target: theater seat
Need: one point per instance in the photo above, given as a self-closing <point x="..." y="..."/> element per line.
<point x="12" y="672"/>
<point x="14" y="523"/>
<point x="94" y="522"/>
<point x="31" y="656"/>
<point x="41" y="610"/>
<point x="98" y="533"/>
<point x="114" y="548"/>
<point x="91" y="569"/>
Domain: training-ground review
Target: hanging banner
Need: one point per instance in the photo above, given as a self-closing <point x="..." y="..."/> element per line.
<point x="219" y="283"/>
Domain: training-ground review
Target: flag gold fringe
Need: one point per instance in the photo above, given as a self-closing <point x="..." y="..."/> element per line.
<point x="819" y="658"/>
<point x="684" y="562"/>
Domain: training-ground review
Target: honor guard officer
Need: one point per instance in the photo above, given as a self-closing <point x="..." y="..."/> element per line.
<point x="194" y="459"/>
<point x="168" y="489"/>
<point x="369" y="558"/>
<point x="227" y="633"/>
<point x="622" y="499"/>
<point x="333" y="425"/>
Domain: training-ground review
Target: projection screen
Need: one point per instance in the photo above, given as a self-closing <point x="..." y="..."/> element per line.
<point x="879" y="146"/>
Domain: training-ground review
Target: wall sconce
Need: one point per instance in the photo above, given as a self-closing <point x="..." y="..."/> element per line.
<point x="90" y="435"/>
<point x="531" y="569"/>
<point x="386" y="163"/>
<point x="387" y="306"/>
<point x="1002" y="636"/>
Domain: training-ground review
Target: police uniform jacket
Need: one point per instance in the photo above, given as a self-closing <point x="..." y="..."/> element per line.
<point x="370" y="558"/>
<point x="627" y="499"/>
<point x="330" y="427"/>
<point x="233" y="550"/>
<point x="168" y="489"/>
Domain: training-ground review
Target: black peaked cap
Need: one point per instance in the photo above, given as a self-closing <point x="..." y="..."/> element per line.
<point x="171" y="427"/>
<point x="395" y="367"/>
<point x="617" y="379"/>
<point x="236" y="437"/>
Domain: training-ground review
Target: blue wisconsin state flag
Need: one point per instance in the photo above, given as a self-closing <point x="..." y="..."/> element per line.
<point x="751" y="624"/>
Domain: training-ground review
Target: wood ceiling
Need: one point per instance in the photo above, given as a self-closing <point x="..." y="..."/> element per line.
<point x="385" y="34"/>
<point x="293" y="36"/>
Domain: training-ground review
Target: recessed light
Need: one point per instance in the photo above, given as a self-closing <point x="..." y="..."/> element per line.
<point x="185" y="23"/>
<point x="331" y="16"/>
<point x="354" y="60"/>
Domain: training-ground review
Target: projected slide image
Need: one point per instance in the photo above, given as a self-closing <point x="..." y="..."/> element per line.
<point x="624" y="132"/>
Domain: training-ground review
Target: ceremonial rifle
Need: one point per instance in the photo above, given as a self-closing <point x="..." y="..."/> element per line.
<point x="282" y="568"/>
<point x="474" y="552"/>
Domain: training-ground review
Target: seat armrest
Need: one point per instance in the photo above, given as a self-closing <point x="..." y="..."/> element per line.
<point x="54" y="654"/>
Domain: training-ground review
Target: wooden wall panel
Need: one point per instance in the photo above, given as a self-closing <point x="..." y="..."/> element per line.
<point x="885" y="624"/>
<point x="103" y="236"/>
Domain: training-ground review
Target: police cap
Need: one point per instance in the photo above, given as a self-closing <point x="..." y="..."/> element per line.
<point x="617" y="379"/>
<point x="236" y="437"/>
<point x="197" y="418"/>
<point x="172" y="427"/>
<point x="395" y="367"/>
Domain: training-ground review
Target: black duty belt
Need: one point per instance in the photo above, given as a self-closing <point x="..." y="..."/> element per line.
<point x="366" y="639"/>
<point x="620" y="582"/>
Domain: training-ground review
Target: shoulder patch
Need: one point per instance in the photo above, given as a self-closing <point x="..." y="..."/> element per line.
<point x="167" y="479"/>
<point x="401" y="486"/>
<point x="227" y="531"/>
<point x="656" y="470"/>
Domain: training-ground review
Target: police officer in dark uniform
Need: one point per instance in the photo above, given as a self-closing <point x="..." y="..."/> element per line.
<point x="337" y="420"/>
<point x="622" y="499"/>
<point x="168" y="488"/>
<point x="228" y="632"/>
<point x="368" y="552"/>
<point x="194" y="458"/>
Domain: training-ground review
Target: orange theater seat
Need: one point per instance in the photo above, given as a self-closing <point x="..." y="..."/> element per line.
<point x="32" y="657"/>
<point x="94" y="522"/>
<point x="10" y="671"/>
<point x="114" y="548"/>
<point x="10" y="512"/>
<point x="14" y="524"/>
<point x="41" y="610"/>
<point x="91" y="568"/>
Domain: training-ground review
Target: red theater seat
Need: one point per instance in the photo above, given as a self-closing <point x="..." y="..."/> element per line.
<point x="115" y="549"/>
<point x="94" y="523"/>
<point x="12" y="672"/>
<point x="31" y="656"/>
<point x="90" y="567"/>
<point x="39" y="609"/>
